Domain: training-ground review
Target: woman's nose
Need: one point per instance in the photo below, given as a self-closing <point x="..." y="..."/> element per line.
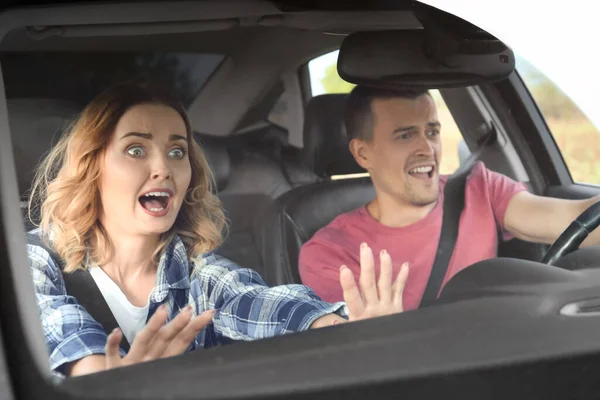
<point x="161" y="169"/>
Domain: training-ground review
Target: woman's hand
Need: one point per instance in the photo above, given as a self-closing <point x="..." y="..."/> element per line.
<point x="374" y="299"/>
<point x="155" y="340"/>
<point x="158" y="340"/>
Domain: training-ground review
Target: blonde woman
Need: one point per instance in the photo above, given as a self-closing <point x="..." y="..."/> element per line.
<point x="126" y="195"/>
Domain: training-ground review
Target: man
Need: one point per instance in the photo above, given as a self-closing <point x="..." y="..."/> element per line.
<point x="395" y="136"/>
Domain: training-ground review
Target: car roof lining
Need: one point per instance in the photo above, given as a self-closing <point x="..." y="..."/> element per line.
<point x="257" y="37"/>
<point x="264" y="53"/>
<point x="221" y="105"/>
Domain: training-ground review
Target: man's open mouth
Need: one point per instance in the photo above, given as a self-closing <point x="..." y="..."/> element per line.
<point x="156" y="201"/>
<point x="422" y="172"/>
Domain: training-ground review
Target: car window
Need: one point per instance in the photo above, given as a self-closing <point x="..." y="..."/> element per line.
<point x="324" y="79"/>
<point x="575" y="135"/>
<point x="79" y="76"/>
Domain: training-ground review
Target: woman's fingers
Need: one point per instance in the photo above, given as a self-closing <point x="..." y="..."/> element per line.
<point x="368" y="286"/>
<point x="399" y="286"/>
<point x="113" y="356"/>
<point x="143" y="339"/>
<point x="184" y="338"/>
<point x="385" y="278"/>
<point x="158" y="340"/>
<point x="165" y="335"/>
<point x="351" y="293"/>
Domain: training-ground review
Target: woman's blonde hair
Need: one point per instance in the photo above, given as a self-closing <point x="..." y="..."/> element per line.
<point x="65" y="188"/>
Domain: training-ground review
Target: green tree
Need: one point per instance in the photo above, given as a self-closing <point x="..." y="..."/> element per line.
<point x="332" y="82"/>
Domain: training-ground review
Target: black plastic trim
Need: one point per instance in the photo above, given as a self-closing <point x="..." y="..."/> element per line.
<point x="534" y="134"/>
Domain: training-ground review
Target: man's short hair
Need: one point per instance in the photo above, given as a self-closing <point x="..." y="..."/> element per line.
<point x="358" y="114"/>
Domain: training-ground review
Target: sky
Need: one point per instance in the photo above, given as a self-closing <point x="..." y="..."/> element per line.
<point x="559" y="41"/>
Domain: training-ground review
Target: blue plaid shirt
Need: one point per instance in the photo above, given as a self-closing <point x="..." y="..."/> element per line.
<point x="246" y="308"/>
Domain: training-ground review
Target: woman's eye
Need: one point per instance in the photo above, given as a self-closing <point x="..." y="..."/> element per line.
<point x="136" y="151"/>
<point x="177" y="153"/>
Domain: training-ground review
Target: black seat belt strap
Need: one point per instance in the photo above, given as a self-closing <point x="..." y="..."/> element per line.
<point x="81" y="285"/>
<point x="454" y="203"/>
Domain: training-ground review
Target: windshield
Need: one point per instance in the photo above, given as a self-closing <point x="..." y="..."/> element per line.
<point x="561" y="44"/>
<point x="265" y="196"/>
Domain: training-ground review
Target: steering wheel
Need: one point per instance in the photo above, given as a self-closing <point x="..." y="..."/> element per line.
<point x="574" y="235"/>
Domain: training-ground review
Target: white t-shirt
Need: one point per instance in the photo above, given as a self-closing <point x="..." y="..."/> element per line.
<point x="131" y="319"/>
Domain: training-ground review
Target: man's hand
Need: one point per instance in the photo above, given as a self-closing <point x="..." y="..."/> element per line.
<point x="377" y="299"/>
<point x="158" y="340"/>
<point x="374" y="299"/>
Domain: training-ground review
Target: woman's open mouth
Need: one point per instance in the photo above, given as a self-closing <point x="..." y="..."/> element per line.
<point x="156" y="202"/>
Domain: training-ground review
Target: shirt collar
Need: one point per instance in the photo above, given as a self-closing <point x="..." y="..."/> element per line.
<point x="173" y="270"/>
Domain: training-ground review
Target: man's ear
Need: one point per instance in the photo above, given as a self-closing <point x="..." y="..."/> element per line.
<point x="360" y="151"/>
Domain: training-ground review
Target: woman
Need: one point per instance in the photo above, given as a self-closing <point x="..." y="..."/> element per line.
<point x="126" y="194"/>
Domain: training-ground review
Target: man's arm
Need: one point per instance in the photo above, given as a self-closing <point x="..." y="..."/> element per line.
<point x="542" y="219"/>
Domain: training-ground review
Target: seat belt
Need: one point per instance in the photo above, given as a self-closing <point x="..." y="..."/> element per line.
<point x="454" y="203"/>
<point x="81" y="285"/>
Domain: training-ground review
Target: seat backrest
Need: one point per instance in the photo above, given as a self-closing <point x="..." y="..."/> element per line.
<point x="238" y="244"/>
<point x="298" y="214"/>
<point x="248" y="181"/>
<point x="35" y="126"/>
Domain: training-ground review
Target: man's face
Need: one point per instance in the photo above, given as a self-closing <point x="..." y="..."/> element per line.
<point x="404" y="153"/>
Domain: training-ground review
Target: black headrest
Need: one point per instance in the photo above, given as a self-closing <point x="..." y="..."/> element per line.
<point x="218" y="158"/>
<point x="325" y="149"/>
<point x="35" y="125"/>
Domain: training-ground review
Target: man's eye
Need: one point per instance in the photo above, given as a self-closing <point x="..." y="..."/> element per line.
<point x="405" y="136"/>
<point x="434" y="133"/>
<point x="177" y="153"/>
<point x="136" y="151"/>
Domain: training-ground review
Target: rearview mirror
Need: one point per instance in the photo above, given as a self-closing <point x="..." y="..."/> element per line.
<point x="423" y="59"/>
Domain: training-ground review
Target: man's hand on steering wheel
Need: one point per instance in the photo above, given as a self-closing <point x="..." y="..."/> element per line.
<point x="373" y="299"/>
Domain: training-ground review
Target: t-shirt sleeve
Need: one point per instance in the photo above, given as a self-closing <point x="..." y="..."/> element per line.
<point x="501" y="190"/>
<point x="319" y="266"/>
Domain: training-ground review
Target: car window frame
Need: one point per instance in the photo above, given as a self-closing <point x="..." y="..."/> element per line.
<point x="552" y="134"/>
<point x="526" y="126"/>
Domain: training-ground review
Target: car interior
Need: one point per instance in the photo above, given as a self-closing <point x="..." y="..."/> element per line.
<point x="282" y="169"/>
<point x="281" y="173"/>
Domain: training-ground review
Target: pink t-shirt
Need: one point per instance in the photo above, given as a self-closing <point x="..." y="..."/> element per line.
<point x="486" y="199"/>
